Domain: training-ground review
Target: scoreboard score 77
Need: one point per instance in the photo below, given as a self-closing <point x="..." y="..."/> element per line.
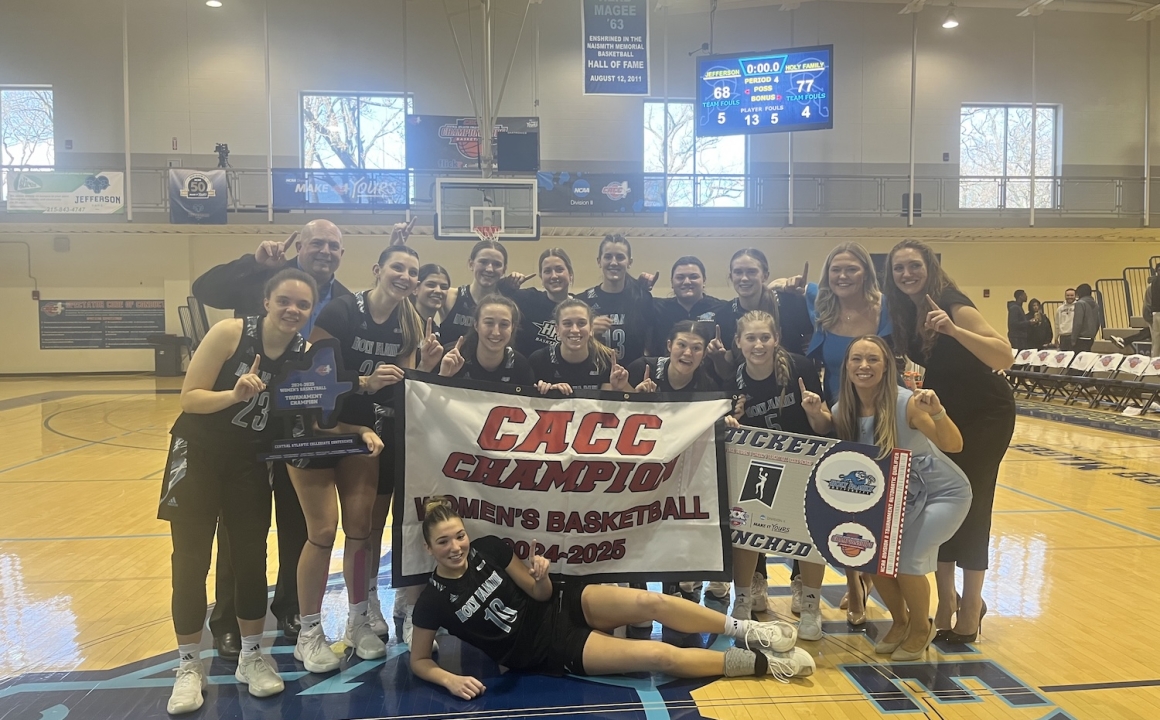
<point x="776" y="91"/>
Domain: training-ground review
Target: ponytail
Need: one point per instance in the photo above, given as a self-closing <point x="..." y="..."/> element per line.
<point x="437" y="510"/>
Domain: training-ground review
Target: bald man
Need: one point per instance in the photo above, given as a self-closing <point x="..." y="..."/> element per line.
<point x="238" y="286"/>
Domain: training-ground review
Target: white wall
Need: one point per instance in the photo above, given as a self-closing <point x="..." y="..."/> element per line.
<point x="198" y="74"/>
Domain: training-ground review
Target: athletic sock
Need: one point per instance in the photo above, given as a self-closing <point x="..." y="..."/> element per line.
<point x="743" y="594"/>
<point x="189" y="654"/>
<point x="251" y="644"/>
<point x="735" y="628"/>
<point x="760" y="664"/>
<point x="373" y="592"/>
<point x="357" y="611"/>
<point x="810" y="598"/>
<point x="309" y="622"/>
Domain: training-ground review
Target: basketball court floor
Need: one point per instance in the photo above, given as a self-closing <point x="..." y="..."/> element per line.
<point x="85" y="633"/>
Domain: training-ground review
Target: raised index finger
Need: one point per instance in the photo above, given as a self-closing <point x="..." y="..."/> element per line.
<point x="718" y="333"/>
<point x="802" y="385"/>
<point x="805" y="274"/>
<point x="429" y="328"/>
<point x="933" y="305"/>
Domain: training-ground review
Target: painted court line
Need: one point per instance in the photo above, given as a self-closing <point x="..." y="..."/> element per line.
<point x="1081" y="512"/>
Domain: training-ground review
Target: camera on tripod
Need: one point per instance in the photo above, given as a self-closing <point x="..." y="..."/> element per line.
<point x="223" y="153"/>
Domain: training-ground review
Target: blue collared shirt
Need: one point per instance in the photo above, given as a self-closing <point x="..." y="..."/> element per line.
<point x="324" y="296"/>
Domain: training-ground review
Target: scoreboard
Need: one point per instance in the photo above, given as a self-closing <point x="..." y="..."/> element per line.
<point x="776" y="91"/>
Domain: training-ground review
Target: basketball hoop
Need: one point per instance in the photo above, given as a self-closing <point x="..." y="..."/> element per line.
<point x="486" y="232"/>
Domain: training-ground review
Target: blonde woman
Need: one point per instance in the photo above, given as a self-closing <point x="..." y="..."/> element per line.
<point x="872" y="409"/>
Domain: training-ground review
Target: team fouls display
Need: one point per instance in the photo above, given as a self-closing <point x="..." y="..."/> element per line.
<point x="607" y="486"/>
<point x="853" y="507"/>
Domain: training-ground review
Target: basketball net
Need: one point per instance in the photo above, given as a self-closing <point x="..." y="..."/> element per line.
<point x="486" y="232"/>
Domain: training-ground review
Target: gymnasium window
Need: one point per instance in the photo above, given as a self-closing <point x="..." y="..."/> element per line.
<point x="697" y="172"/>
<point x="26" y="130"/>
<point x="354" y="131"/>
<point x="995" y="156"/>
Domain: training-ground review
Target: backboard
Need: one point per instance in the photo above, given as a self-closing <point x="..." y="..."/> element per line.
<point x="473" y="208"/>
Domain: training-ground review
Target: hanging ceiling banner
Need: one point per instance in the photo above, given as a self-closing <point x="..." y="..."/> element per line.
<point x="616" y="47"/>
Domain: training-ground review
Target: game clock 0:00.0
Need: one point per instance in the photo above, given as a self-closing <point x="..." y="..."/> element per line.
<point x="776" y="91"/>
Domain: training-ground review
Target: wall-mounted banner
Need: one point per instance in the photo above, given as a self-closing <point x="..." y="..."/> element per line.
<point x="598" y="193"/>
<point x="616" y="47"/>
<point x="447" y="142"/>
<point x="853" y="505"/>
<point x="609" y="488"/>
<point x="51" y="193"/>
<point x="99" y="324"/>
<point x="198" y="197"/>
<point x="298" y="189"/>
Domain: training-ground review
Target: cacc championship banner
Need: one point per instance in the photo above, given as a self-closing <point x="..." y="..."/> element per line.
<point x="609" y="487"/>
<point x="816" y="499"/>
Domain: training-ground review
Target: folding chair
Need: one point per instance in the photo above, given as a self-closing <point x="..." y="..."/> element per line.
<point x="1017" y="373"/>
<point x="1036" y="371"/>
<point x="1143" y="391"/>
<point x="1118" y="389"/>
<point x="1074" y="381"/>
<point x="200" y="321"/>
<point x="1102" y="374"/>
<point x="1056" y="367"/>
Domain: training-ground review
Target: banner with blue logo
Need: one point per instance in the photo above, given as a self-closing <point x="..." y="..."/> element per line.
<point x="579" y="192"/>
<point x="198" y="197"/>
<point x="816" y="499"/>
<point x="323" y="189"/>
<point x="616" y="47"/>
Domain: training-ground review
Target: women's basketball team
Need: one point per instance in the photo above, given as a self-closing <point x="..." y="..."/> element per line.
<point x="817" y="359"/>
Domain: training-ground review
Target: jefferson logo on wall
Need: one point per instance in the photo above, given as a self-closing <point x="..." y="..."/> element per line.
<point x="53" y="193"/>
<point x="198" y="197"/>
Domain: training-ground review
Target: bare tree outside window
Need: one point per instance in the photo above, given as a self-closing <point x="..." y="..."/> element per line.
<point x="365" y="132"/>
<point x="995" y="156"/>
<point x="699" y="172"/>
<point x="26" y="129"/>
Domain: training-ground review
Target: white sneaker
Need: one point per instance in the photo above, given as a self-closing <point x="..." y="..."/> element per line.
<point x="186" y="696"/>
<point x="313" y="651"/>
<point x="742" y="610"/>
<point x="810" y="626"/>
<point x="776" y="636"/>
<point x="793" y="663"/>
<point x="719" y="591"/>
<point x="366" y="644"/>
<point x="759" y="592"/>
<point x="375" y="617"/>
<point x="257" y="672"/>
<point x="409" y="629"/>
<point x="795" y="602"/>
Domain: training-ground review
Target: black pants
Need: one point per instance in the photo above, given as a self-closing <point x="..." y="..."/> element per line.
<point x="985" y="441"/>
<point x="1081" y="345"/>
<point x="1065" y="343"/>
<point x="192" y="543"/>
<point x="291" y="539"/>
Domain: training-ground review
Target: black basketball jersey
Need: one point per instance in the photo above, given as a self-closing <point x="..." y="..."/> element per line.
<point x="460" y="318"/>
<point x="548" y="365"/>
<point x="485" y="607"/>
<point x="631" y="312"/>
<point x="669" y="312"/>
<point x="537" y="320"/>
<point x="514" y="370"/>
<point x="245" y="423"/>
<point x="765" y="406"/>
<point x="365" y="345"/>
<point x="658" y="371"/>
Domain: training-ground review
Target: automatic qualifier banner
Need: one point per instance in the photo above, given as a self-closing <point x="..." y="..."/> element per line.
<point x="608" y="489"/>
<point x="616" y="47"/>
<point x="816" y="499"/>
<point x="53" y="193"/>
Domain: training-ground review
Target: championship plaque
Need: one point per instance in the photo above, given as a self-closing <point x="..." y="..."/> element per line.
<point x="313" y="389"/>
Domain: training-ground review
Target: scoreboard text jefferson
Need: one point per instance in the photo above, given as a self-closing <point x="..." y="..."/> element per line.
<point x="776" y="91"/>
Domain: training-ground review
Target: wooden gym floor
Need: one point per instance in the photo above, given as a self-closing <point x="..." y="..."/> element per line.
<point x="84" y="594"/>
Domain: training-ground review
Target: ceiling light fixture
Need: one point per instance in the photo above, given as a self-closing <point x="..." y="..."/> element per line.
<point x="951" y="21"/>
<point x="214" y="3"/>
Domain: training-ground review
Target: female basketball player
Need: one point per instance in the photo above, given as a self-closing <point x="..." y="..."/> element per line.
<point x="623" y="305"/>
<point x="213" y="471"/>
<point x="938" y="327"/>
<point x="378" y="330"/>
<point x="579" y="361"/>
<point x="679" y="371"/>
<point x="481" y="593"/>
<point x="872" y="409"/>
<point x="485" y="352"/>
<point x="772" y="382"/>
<point x="434" y="285"/>
<point x="487" y="263"/>
<point x="848" y="304"/>
<point x="537" y="328"/>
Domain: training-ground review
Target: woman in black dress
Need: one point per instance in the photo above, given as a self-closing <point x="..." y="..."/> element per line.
<point x="938" y="327"/>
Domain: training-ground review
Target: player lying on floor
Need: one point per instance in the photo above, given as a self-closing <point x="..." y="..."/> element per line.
<point x="484" y="595"/>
